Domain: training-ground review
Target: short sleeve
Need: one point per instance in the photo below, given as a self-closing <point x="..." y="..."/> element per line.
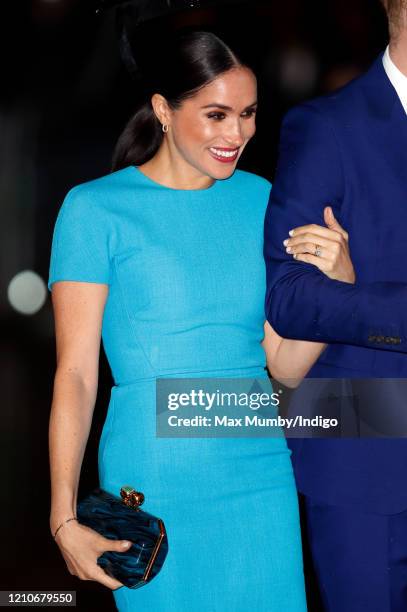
<point x="80" y="243"/>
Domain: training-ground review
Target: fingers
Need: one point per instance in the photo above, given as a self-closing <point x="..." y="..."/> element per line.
<point x="322" y="264"/>
<point x="82" y="559"/>
<point x="306" y="243"/>
<point x="332" y="222"/>
<point x="311" y="249"/>
<point x="324" y="232"/>
<point x="100" y="576"/>
<point x="329" y="217"/>
<point x="100" y="543"/>
<point x="104" y="544"/>
<point x="97" y="574"/>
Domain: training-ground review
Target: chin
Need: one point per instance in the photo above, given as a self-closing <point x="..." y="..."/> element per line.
<point x="223" y="173"/>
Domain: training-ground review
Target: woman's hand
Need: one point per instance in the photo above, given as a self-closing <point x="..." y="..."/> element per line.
<point x="81" y="546"/>
<point x="327" y="248"/>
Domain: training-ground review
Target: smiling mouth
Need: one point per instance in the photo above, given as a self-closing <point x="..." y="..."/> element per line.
<point x="224" y="155"/>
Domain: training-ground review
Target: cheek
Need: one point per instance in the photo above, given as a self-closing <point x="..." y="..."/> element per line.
<point x="195" y="131"/>
<point x="204" y="131"/>
<point x="249" y="130"/>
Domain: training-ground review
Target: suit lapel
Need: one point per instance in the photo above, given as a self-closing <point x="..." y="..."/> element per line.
<point x="388" y="125"/>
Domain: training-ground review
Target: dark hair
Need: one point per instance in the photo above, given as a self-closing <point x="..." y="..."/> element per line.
<point x="189" y="63"/>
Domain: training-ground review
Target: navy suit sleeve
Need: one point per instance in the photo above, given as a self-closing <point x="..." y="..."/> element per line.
<point x="301" y="302"/>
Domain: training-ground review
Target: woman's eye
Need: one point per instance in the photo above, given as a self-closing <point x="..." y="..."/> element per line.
<point x="249" y="113"/>
<point x="216" y="116"/>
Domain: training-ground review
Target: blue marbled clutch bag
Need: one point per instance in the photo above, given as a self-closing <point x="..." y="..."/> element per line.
<point x="121" y="519"/>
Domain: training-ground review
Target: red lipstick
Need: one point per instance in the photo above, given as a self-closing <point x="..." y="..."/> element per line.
<point x="225" y="155"/>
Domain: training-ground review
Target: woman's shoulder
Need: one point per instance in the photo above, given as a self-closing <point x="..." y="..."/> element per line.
<point x="100" y="187"/>
<point x="250" y="180"/>
<point x="91" y="204"/>
<point x="97" y="198"/>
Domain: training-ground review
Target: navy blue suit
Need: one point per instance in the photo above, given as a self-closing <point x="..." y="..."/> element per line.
<point x="348" y="150"/>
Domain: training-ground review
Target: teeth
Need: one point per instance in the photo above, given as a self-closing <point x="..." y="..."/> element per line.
<point x="220" y="153"/>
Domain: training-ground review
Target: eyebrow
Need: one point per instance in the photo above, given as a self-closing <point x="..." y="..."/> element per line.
<point x="224" y="107"/>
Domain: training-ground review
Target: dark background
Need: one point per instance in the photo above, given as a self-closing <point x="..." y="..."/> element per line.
<point x="64" y="98"/>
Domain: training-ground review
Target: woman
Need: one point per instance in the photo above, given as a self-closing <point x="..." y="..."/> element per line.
<point x="163" y="257"/>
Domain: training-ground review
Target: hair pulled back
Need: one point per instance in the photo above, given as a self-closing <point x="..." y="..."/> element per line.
<point x="190" y="62"/>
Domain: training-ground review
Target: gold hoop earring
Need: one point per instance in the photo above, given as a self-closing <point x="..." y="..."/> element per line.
<point x="165" y="128"/>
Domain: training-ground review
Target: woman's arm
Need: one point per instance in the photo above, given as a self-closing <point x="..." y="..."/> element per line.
<point x="288" y="361"/>
<point x="78" y="312"/>
<point x="78" y="309"/>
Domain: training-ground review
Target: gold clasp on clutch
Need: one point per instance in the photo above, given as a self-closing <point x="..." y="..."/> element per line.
<point x="131" y="497"/>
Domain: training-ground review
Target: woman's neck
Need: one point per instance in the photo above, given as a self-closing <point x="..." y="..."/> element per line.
<point x="174" y="172"/>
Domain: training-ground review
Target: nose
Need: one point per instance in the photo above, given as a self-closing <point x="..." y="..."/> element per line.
<point x="234" y="134"/>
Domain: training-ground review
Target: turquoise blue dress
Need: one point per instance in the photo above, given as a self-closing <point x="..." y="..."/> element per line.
<point x="186" y="291"/>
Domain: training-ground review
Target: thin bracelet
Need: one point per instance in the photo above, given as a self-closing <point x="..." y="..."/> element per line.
<point x="73" y="518"/>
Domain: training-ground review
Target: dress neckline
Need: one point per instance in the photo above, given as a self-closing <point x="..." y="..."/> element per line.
<point x="147" y="179"/>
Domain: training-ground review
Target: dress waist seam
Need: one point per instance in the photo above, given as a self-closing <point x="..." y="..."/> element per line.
<point x="257" y="372"/>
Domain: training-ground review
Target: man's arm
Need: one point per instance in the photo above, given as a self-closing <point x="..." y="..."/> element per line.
<point x="301" y="302"/>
